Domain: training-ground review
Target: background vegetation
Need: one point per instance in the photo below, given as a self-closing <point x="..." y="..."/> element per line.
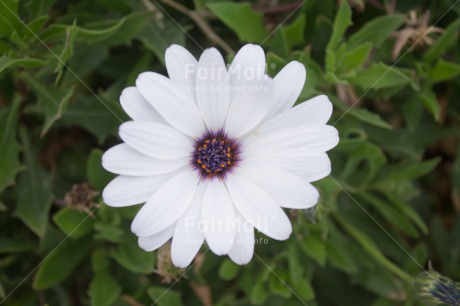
<point x="391" y="204"/>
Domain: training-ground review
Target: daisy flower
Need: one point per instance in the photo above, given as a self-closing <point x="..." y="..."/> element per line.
<point x="216" y="152"/>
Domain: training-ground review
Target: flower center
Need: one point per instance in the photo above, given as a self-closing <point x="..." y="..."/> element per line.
<point x="215" y="155"/>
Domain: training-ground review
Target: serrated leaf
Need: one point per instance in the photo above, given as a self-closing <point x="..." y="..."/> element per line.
<point x="73" y="222"/>
<point x="53" y="101"/>
<point x="376" y="31"/>
<point x="61" y="262"/>
<point x="164" y="296"/>
<point x="10" y="165"/>
<point x="35" y="194"/>
<point x="242" y="19"/>
<point x="67" y="50"/>
<point x="102" y="32"/>
<point x="379" y="76"/>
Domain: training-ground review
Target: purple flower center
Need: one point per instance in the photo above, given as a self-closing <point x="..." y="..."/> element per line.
<point x="215" y="155"/>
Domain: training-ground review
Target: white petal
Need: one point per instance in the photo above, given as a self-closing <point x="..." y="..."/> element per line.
<point x="131" y="190"/>
<point x="155" y="139"/>
<point x="289" y="83"/>
<point x="181" y="66"/>
<point x="166" y="205"/>
<point x="243" y="249"/>
<point x="248" y="65"/>
<point x="249" y="107"/>
<point x="153" y="242"/>
<point x="171" y="102"/>
<point x="287" y="189"/>
<point x="218" y="216"/>
<point x="309" y="165"/>
<point x="314" y="111"/>
<point x="137" y="107"/>
<point x="258" y="208"/>
<point x="313" y="137"/>
<point x="212" y="87"/>
<point x="188" y="237"/>
<point x="122" y="159"/>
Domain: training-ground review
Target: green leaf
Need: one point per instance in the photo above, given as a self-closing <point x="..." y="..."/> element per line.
<point x="133" y="258"/>
<point x="369" y="247"/>
<point x="295" y="266"/>
<point x="89" y="113"/>
<point x="407" y="170"/>
<point x="295" y="32"/>
<point x="9" y="20"/>
<point x="376" y="31"/>
<point x="73" y="222"/>
<point x="315" y="248"/>
<point x="97" y="175"/>
<point x="53" y="101"/>
<point x="443" y="71"/>
<point x="61" y="262"/>
<point x="101" y="31"/>
<point x="259" y="293"/>
<point x="391" y="214"/>
<point x="339" y="259"/>
<point x="430" y="101"/>
<point x="228" y="270"/>
<point x="368" y="117"/>
<point x="10" y="245"/>
<point x="40" y="7"/>
<point x="304" y="290"/>
<point x="356" y="58"/>
<point x="6" y="62"/>
<point x="379" y="76"/>
<point x="103" y="289"/>
<point x="447" y="40"/>
<point x="158" y="39"/>
<point x="35" y="194"/>
<point x="241" y="18"/>
<point x="341" y="23"/>
<point x="67" y="50"/>
<point x="279" y="44"/>
<point x="10" y="165"/>
<point x="277" y="283"/>
<point x="164" y="296"/>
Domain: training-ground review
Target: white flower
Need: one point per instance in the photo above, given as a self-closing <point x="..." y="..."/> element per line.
<point x="216" y="152"/>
